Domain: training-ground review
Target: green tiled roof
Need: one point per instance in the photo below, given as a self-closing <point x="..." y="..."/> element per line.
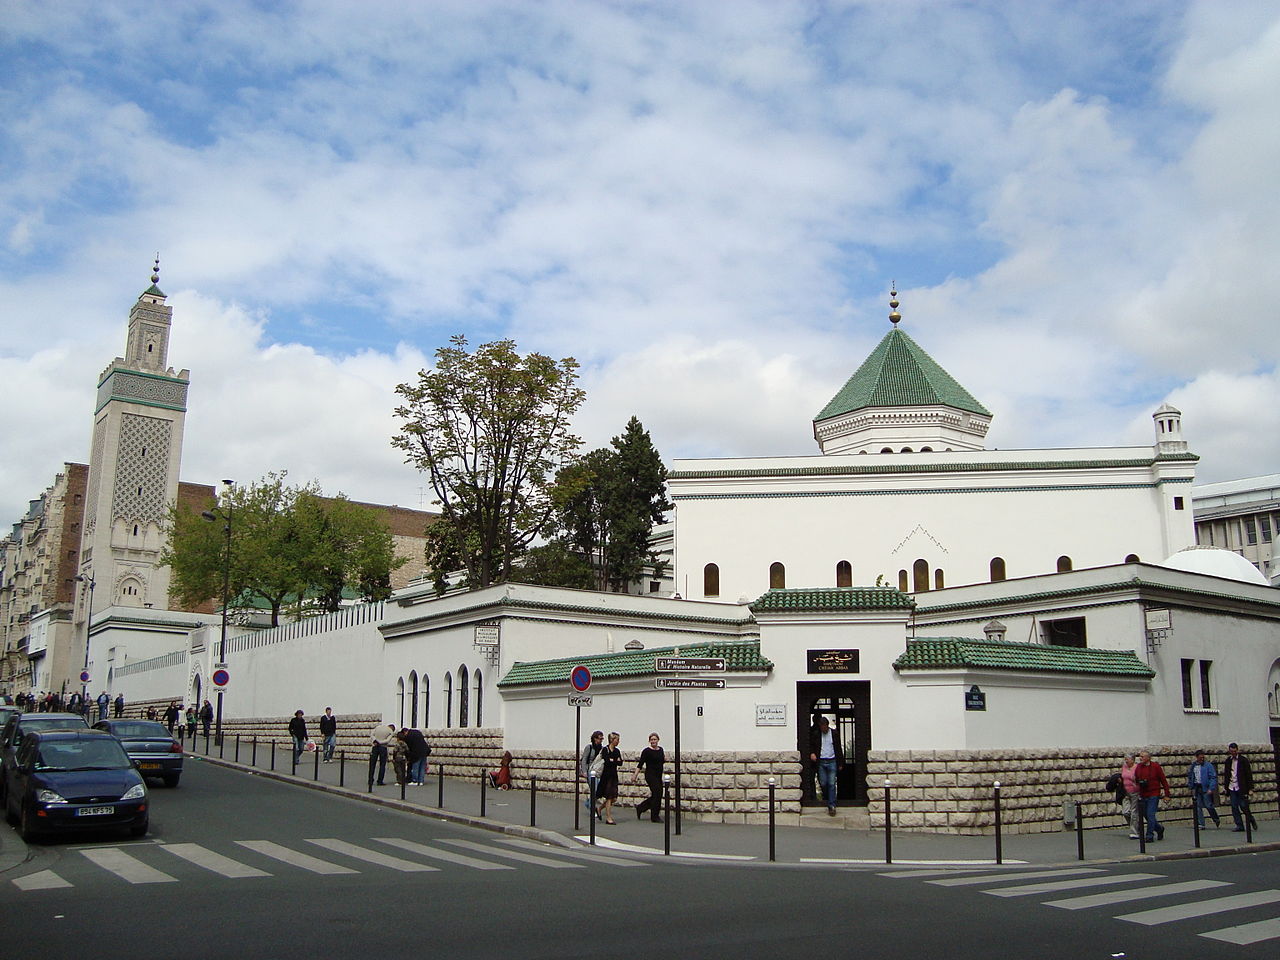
<point x="898" y="373"/>
<point x="739" y="657"/>
<point x="935" y="653"/>
<point x="154" y="291"/>
<point x="832" y="598"/>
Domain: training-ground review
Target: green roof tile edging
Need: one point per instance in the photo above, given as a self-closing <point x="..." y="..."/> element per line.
<point x="740" y="657"/>
<point x="818" y="600"/>
<point x="943" y="653"/>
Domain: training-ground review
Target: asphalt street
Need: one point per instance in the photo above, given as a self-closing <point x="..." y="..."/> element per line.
<point x="246" y="866"/>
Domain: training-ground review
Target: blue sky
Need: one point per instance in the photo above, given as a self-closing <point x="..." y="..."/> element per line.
<point x="704" y="202"/>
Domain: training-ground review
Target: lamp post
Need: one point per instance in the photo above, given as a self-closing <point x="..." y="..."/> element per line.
<point x="225" y="516"/>
<point x="88" y="617"/>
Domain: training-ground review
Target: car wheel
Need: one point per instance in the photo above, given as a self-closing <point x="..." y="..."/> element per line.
<point x="171" y="780"/>
<point x="26" y="828"/>
<point x="140" y="829"/>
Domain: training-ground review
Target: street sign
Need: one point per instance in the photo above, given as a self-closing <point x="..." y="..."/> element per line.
<point x="580" y="678"/>
<point x="693" y="664"/>
<point x="687" y="683"/>
<point x="220" y="679"/>
<point x="579" y="700"/>
<point x="84" y="676"/>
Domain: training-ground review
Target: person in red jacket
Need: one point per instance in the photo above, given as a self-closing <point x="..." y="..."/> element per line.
<point x="1151" y="783"/>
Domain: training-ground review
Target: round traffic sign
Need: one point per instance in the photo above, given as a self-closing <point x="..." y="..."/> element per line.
<point x="220" y="678"/>
<point x="580" y="678"/>
<point x="84" y="676"/>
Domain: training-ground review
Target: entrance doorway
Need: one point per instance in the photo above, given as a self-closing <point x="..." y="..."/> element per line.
<point x="847" y="707"/>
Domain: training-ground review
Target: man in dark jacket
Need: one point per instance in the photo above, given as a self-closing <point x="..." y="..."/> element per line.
<point x="418" y="749"/>
<point x="827" y="756"/>
<point x="1237" y="780"/>
<point x="298" y="730"/>
<point x="206" y="716"/>
<point x="329" y="730"/>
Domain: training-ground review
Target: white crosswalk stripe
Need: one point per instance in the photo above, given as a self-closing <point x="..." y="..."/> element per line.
<point x="292" y="857"/>
<point x="1011" y="877"/>
<point x="515" y="855"/>
<point x="1203" y="908"/>
<point x="447" y="855"/>
<point x="127" y="867"/>
<point x="575" y="854"/>
<point x="201" y="857"/>
<point x="1247" y="933"/>
<point x="1034" y="889"/>
<point x="1127" y="896"/>
<point x="42" y="880"/>
<point x="373" y="856"/>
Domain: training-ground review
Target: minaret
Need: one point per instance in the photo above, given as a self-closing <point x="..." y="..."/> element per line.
<point x="133" y="465"/>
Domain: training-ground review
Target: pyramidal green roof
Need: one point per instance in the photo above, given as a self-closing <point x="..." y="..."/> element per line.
<point x="940" y="653"/>
<point x="739" y="655"/>
<point x="898" y="373"/>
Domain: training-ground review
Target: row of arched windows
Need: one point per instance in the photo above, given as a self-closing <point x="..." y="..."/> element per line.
<point x="414" y="698"/>
<point x="917" y="581"/>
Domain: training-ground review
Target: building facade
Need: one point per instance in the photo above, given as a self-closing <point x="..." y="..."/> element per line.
<point x="1242" y="516"/>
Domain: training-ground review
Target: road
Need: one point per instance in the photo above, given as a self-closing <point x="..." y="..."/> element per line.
<point x="243" y="866"/>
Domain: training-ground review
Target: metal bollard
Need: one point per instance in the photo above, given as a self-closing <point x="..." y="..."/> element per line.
<point x="1142" y="825"/>
<point x="484" y="788"/>
<point x="772" y="784"/>
<point x="237" y="748"/>
<point x="1195" y="815"/>
<point x="888" y="825"/>
<point x="1248" y="822"/>
<point x="403" y="784"/>
<point x="293" y="753"/>
<point x="440" y="786"/>
<point x="591" y="817"/>
<point x="342" y="768"/>
<point x="999" y="838"/>
<point x="1079" y="831"/>
<point x="316" y="763"/>
<point x="206" y="744"/>
<point x="253" y="762"/>
<point x="533" y="800"/>
<point x="222" y="746"/>
<point x="666" y="814"/>
<point x="272" y="744"/>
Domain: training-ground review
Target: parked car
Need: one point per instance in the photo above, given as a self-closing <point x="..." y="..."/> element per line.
<point x="66" y="781"/>
<point x="18" y="726"/>
<point x="149" y="745"/>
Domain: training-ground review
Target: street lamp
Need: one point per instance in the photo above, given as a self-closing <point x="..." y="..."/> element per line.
<point x="225" y="516"/>
<point x="88" y="617"/>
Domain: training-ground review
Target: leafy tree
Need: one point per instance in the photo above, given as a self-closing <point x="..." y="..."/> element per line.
<point x="490" y="428"/>
<point x="344" y="546"/>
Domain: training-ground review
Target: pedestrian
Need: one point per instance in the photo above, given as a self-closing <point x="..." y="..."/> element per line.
<point x="1237" y="777"/>
<point x="380" y="736"/>
<point x="826" y="754"/>
<point x="191" y="722"/>
<point x="329" y="730"/>
<point x="104" y="701"/>
<point x="1130" y="801"/>
<point x="298" y="731"/>
<point x="651" y="762"/>
<point x="500" y="779"/>
<point x="119" y="706"/>
<point x="399" y="751"/>
<point x="419" y="750"/>
<point x="151" y="715"/>
<point x="1202" y="779"/>
<point x="206" y="716"/>
<point x="590" y="767"/>
<point x="609" y="777"/>
<point x="1151" y="784"/>
<point x="171" y="714"/>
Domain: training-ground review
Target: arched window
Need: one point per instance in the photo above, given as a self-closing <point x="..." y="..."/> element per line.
<point x="426" y="700"/>
<point x="478" y="683"/>
<point x="938" y="582"/>
<point x="448" y="700"/>
<point x="777" y="576"/>
<point x="886" y="450"/>
<point x="400" y="700"/>
<point x="844" y="574"/>
<point x="413" y="698"/>
<point x="1132" y="558"/>
<point x="920" y="576"/>
<point x="926" y="449"/>
<point x="906" y="450"/>
<point x="1064" y="564"/>
<point x="997" y="569"/>
<point x="463" y="696"/>
<point x="902" y="580"/>
<point x="711" y="580"/>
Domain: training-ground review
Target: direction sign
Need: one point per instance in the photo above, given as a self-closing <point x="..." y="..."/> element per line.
<point x="579" y="700"/>
<point x="695" y="664"/>
<point x="580" y="678"/>
<point x="688" y="683"/>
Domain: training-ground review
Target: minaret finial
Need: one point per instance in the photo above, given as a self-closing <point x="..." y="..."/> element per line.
<point x="894" y="316"/>
<point x="155" y="269"/>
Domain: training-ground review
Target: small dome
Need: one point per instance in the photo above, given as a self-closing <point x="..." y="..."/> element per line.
<point x="1216" y="562"/>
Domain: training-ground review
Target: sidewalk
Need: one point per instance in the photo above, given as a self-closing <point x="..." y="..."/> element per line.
<point x="509" y="811"/>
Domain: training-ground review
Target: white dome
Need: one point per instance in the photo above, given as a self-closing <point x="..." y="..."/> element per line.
<point x="1216" y="562"/>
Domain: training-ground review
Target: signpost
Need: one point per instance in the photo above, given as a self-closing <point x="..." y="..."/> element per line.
<point x="220" y="678"/>
<point x="689" y="664"/>
<point x="676" y="684"/>
<point x="579" y="700"/>
<point x="688" y="683"/>
<point x="580" y="680"/>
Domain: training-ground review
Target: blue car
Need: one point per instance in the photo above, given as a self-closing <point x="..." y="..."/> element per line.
<point x="75" y="781"/>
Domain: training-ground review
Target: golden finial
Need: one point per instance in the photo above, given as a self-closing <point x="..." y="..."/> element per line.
<point x="894" y="315"/>
<point x="155" y="269"/>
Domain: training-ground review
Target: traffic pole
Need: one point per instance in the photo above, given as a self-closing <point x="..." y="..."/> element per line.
<point x="772" y="785"/>
<point x="666" y="820"/>
<point x="577" y="786"/>
<point x="677" y="744"/>
<point x="888" y="825"/>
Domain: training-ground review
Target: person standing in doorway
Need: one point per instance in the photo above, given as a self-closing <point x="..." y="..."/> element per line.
<point x="1151" y="783"/>
<point x="329" y="730"/>
<point x="298" y="731"/>
<point x="1237" y="777"/>
<point x="1202" y="780"/>
<point x="827" y="756"/>
<point x="651" y="762"/>
<point x="206" y="716"/>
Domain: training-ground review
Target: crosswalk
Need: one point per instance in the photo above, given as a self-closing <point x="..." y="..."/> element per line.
<point x="1067" y="888"/>
<point x="152" y="863"/>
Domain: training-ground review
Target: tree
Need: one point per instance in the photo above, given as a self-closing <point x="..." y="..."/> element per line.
<point x="490" y="429"/>
<point x="288" y="545"/>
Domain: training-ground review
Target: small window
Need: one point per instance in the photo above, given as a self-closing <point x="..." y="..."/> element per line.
<point x="926" y="449"/>
<point x="711" y="580"/>
<point x="844" y="574"/>
<point x="1206" y="695"/>
<point x="1265" y="524"/>
<point x="777" y="576"/>
<point x="655" y="586"/>
<point x="1188" y="699"/>
<point x="448" y="700"/>
<point x="902" y="581"/>
<point x="906" y="449"/>
<point x="135" y="529"/>
<point x="938" y="582"/>
<point x="920" y="576"/>
<point x="886" y="450"/>
<point x="997" y="569"/>
<point x="1177" y="503"/>
<point x="1132" y="558"/>
<point x="1064" y="564"/>
<point x="1250" y="530"/>
<point x="1068" y="632"/>
<point x="463" y="691"/>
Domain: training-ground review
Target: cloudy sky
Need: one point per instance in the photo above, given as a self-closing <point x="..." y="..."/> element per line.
<point x="704" y="202"/>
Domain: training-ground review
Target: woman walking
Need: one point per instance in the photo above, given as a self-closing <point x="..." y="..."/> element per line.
<point x="651" y="762"/>
<point x="609" y="777"/>
<point x="590" y="768"/>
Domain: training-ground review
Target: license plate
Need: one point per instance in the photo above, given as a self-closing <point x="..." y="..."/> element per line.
<point x="95" y="811"/>
<point x="148" y="766"/>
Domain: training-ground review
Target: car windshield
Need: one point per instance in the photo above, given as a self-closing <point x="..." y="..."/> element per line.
<point x="81" y="755"/>
<point x="142" y="729"/>
<point x="29" y="723"/>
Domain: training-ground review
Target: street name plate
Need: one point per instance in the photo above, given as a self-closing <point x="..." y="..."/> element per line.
<point x="579" y="700"/>
<point x="687" y="683"/>
<point x="696" y="664"/>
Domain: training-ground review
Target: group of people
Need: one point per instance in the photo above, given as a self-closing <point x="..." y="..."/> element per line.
<point x="406" y="748"/>
<point x="53" y="702"/>
<point x="328" y="734"/>
<point x="1139" y="784"/>
<point x="175" y="715"/>
<point x="600" y="766"/>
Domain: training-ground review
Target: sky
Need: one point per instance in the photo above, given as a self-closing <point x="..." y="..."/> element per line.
<point x="704" y="202"/>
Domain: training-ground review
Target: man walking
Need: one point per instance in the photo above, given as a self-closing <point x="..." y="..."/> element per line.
<point x="1151" y="783"/>
<point x="1202" y="780"/>
<point x="329" y="730"/>
<point x="104" y="701"/>
<point x="1237" y="776"/>
<point x="827" y="756"/>
<point x="298" y="730"/>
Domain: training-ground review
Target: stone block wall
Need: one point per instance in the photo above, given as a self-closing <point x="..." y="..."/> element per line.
<point x="951" y="791"/>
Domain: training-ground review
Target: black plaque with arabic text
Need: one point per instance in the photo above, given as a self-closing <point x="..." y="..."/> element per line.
<point x="833" y="661"/>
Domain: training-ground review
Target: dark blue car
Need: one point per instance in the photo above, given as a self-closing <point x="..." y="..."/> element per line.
<point x="74" y="781"/>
